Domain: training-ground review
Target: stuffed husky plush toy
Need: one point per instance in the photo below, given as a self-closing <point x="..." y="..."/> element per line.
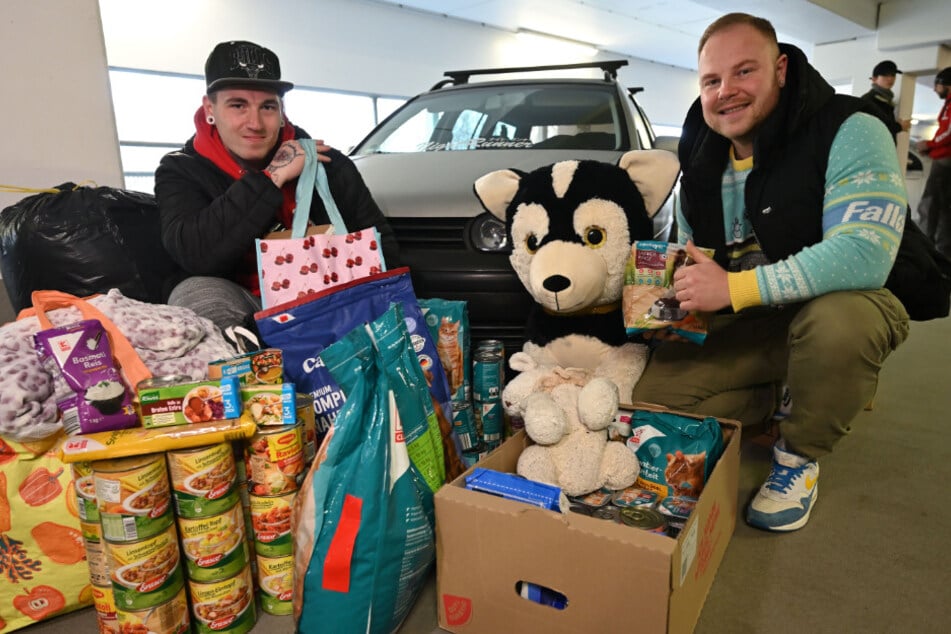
<point x="571" y="226"/>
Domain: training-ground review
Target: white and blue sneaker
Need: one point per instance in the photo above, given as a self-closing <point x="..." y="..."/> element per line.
<point x="785" y="500"/>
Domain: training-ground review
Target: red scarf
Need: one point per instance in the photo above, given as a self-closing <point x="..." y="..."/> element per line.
<point x="208" y="143"/>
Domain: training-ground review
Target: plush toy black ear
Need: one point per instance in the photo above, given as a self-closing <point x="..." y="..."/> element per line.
<point x="496" y="190"/>
<point x="654" y="173"/>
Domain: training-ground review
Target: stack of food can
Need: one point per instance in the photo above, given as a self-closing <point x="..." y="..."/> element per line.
<point x="141" y="544"/>
<point x="275" y="466"/>
<point x="212" y="528"/>
<point x="84" y="487"/>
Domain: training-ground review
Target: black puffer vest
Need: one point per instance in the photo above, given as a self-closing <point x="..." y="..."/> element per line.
<point x="786" y="187"/>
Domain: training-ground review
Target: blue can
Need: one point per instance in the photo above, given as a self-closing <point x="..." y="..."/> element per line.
<point x="489" y="419"/>
<point x="464" y="424"/>
<point x="487" y="373"/>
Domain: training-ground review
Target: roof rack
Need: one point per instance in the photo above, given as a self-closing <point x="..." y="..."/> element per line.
<point x="462" y="76"/>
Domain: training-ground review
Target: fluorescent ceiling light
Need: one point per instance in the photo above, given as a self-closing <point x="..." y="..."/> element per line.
<point x="554" y="44"/>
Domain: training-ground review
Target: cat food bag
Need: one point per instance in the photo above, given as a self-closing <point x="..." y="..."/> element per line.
<point x="89" y="390"/>
<point x="676" y="453"/>
<point x="448" y="321"/>
<point x="364" y="539"/>
<point x="648" y="300"/>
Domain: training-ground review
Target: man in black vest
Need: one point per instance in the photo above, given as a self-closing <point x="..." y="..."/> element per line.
<point x="801" y="197"/>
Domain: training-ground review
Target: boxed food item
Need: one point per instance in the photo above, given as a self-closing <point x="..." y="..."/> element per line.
<point x="260" y="404"/>
<point x="488" y="547"/>
<point x="177" y="400"/>
<point x="253" y="368"/>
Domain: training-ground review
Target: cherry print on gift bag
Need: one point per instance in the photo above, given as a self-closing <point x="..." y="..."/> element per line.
<point x="309" y="259"/>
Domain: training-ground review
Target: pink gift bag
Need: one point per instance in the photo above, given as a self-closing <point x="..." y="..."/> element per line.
<point x="310" y="259"/>
<point x="293" y="267"/>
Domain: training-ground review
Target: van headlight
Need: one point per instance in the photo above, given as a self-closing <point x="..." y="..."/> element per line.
<point x="487" y="233"/>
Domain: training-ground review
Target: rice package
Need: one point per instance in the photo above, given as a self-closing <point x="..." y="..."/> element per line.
<point x="648" y="300"/>
<point x="89" y="390"/>
<point x="677" y="453"/>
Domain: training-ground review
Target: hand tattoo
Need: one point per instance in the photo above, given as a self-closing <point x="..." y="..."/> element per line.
<point x="285" y="156"/>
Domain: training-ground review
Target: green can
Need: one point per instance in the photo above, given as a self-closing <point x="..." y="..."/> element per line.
<point x="133" y="497"/>
<point x="276" y="580"/>
<point x="145" y="573"/>
<point x="215" y="547"/>
<point x="203" y="480"/>
<point x="84" y="486"/>
<point x="224" y="606"/>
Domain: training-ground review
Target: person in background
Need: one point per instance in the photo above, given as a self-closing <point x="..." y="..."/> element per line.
<point x="801" y="196"/>
<point x="234" y="181"/>
<point x="882" y="98"/>
<point x="935" y="206"/>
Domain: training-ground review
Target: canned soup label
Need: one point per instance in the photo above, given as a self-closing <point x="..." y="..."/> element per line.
<point x="203" y="480"/>
<point x="224" y="606"/>
<point x="215" y="547"/>
<point x="145" y="573"/>
<point x="170" y="617"/>
<point x="134" y="503"/>
<point x="275" y="461"/>
<point x="271" y="524"/>
<point x="84" y="484"/>
<point x="276" y="579"/>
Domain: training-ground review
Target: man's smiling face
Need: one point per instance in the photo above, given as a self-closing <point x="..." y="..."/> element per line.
<point x="741" y="73"/>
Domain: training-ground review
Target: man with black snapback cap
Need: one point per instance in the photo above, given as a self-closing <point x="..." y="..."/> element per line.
<point x="935" y="206"/>
<point x="235" y="181"/>
<point x="882" y="98"/>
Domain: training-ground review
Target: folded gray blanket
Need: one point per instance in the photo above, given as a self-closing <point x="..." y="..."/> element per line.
<point x="168" y="339"/>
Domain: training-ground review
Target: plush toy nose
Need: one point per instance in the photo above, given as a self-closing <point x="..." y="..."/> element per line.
<point x="556" y="283"/>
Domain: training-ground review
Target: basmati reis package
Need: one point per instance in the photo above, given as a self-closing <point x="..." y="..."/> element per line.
<point x="95" y="398"/>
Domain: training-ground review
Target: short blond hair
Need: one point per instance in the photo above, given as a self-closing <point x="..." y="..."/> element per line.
<point x="762" y="25"/>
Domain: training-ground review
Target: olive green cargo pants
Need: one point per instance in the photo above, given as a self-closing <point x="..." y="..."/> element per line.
<point x="828" y="350"/>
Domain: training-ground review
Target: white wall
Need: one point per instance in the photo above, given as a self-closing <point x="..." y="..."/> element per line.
<point x="56" y="106"/>
<point x="353" y="45"/>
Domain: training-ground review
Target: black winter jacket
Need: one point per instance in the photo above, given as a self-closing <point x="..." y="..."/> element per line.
<point x="883" y="109"/>
<point x="210" y="220"/>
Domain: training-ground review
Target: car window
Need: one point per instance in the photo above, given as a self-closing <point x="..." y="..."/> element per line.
<point x="506" y="118"/>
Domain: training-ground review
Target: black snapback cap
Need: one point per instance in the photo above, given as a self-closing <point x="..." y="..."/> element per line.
<point x="239" y="64"/>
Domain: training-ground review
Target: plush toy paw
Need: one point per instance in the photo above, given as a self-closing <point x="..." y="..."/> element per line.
<point x="544" y="419"/>
<point x="598" y="403"/>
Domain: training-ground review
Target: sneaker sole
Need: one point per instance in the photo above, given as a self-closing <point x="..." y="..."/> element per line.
<point x="794" y="525"/>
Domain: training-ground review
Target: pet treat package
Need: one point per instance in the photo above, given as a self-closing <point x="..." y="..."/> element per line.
<point x="648" y="299"/>
<point x="89" y="390"/>
<point x="448" y="321"/>
<point x="677" y="453"/>
<point x="303" y="328"/>
<point x="365" y="536"/>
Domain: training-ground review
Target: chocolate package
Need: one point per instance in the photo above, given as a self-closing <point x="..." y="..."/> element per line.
<point x="89" y="390"/>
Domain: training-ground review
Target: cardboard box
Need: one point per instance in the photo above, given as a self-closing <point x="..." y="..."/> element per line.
<point x="616" y="578"/>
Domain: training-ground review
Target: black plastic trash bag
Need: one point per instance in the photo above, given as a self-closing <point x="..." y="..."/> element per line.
<point x="83" y="241"/>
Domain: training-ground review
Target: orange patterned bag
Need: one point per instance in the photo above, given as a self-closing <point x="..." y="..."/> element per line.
<point x="43" y="570"/>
